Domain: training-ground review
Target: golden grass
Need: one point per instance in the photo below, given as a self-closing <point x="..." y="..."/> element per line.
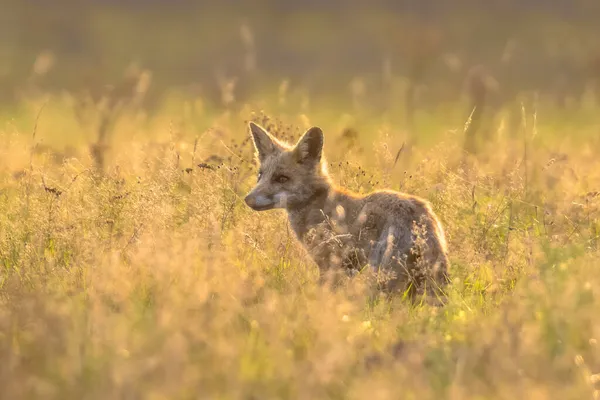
<point x="154" y="280"/>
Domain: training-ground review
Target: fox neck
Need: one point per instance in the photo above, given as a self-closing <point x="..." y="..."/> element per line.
<point x="321" y="205"/>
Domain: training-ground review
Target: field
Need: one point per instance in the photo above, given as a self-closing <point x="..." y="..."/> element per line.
<point x="131" y="268"/>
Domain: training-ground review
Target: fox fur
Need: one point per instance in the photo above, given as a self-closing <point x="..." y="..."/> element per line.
<point x="393" y="235"/>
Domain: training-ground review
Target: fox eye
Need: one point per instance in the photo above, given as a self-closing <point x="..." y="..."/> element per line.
<point x="281" y="179"/>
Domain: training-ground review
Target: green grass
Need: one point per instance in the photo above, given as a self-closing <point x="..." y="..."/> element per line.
<point x="150" y="281"/>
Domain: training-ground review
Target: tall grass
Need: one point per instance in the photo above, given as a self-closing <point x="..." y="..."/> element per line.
<point x="150" y="278"/>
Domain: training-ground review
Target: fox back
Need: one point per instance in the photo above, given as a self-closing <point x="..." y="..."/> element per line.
<point x="396" y="237"/>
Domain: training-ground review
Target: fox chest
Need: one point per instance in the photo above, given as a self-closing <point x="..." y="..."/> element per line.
<point x="333" y="248"/>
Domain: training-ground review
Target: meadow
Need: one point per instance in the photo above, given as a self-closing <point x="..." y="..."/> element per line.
<point x="152" y="278"/>
<point x="131" y="268"/>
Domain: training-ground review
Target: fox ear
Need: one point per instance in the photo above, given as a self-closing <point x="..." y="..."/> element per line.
<point x="310" y="146"/>
<point x="263" y="142"/>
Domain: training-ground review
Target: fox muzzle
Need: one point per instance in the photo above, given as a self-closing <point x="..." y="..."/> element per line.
<point x="259" y="202"/>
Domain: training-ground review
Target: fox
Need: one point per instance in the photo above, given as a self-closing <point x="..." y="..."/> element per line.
<point x="392" y="235"/>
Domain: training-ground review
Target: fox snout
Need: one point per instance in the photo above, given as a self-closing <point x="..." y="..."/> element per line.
<point x="259" y="202"/>
<point x="250" y="201"/>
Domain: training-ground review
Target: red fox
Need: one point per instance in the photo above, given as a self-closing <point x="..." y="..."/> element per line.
<point x="393" y="234"/>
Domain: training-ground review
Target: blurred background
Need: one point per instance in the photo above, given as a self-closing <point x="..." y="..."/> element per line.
<point x="388" y="55"/>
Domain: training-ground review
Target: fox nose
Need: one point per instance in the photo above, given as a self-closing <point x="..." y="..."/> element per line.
<point x="249" y="200"/>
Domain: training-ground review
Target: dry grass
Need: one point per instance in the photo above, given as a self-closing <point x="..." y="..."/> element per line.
<point x="154" y="280"/>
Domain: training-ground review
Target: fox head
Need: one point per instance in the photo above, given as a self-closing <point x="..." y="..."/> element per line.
<point x="289" y="176"/>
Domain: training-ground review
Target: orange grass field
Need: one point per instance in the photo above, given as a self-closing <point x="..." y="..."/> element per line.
<point x="130" y="267"/>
